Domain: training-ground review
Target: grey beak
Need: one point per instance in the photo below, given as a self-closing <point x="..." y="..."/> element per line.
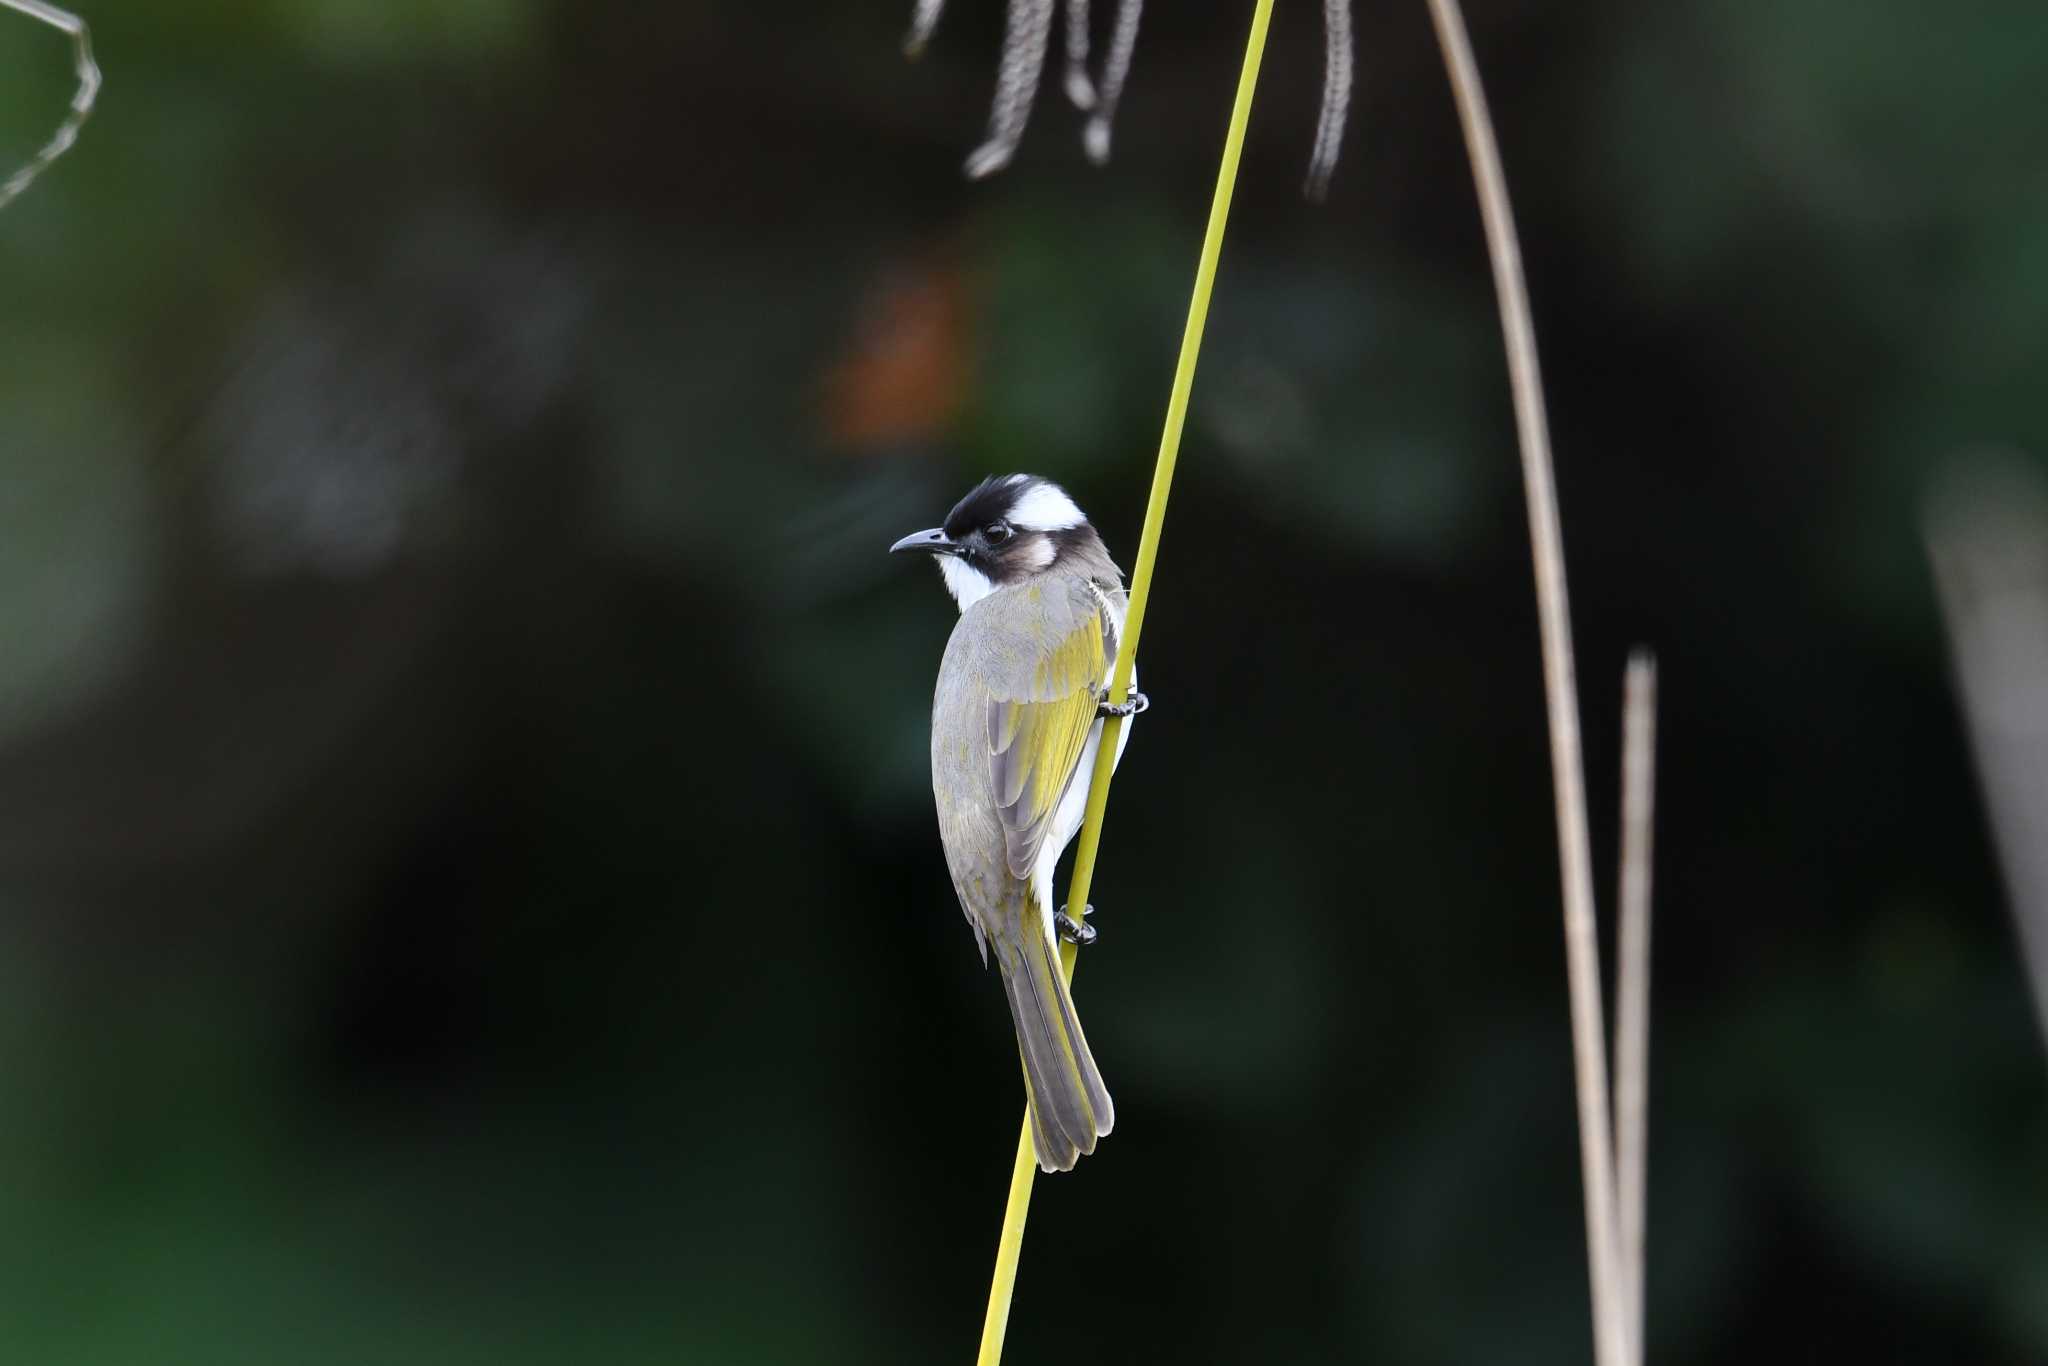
<point x="933" y="542"/>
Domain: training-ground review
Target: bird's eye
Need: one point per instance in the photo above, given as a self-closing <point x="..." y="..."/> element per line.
<point x="997" y="533"/>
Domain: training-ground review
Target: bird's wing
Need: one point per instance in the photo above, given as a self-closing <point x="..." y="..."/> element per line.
<point x="1039" y="714"/>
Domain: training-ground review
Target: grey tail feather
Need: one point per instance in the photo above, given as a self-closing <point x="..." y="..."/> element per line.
<point x="1070" y="1107"/>
<point x="1054" y="1152"/>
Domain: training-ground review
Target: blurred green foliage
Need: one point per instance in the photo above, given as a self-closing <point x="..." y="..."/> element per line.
<point x="468" y="890"/>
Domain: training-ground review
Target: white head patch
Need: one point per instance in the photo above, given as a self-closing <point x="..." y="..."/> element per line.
<point x="1040" y="549"/>
<point x="1046" y="507"/>
<point x="967" y="584"/>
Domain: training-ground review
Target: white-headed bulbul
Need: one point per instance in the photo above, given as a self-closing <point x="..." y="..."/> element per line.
<point x="1016" y="719"/>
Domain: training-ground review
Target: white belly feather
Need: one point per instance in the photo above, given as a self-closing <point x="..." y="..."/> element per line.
<point x="1073" y="807"/>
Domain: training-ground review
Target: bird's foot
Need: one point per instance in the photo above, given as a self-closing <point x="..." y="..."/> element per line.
<point x="1075" y="931"/>
<point x="1136" y="703"/>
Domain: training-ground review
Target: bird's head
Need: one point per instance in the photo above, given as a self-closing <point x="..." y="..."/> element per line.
<point x="1007" y="529"/>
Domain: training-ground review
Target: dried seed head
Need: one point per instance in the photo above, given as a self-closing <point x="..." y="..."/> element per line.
<point x="1028" y="34"/>
<point x="1322" y="162"/>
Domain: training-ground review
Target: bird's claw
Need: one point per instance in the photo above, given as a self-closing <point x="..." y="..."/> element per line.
<point x="1136" y="703"/>
<point x="1076" y="931"/>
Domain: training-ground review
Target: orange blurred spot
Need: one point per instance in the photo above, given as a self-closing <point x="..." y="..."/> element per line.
<point x="904" y="374"/>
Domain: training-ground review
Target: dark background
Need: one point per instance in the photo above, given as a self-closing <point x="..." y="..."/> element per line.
<point x="468" y="884"/>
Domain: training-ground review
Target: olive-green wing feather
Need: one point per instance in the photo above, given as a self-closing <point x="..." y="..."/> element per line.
<point x="1038" y="723"/>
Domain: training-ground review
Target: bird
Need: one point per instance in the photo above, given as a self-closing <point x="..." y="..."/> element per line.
<point x="1017" y="717"/>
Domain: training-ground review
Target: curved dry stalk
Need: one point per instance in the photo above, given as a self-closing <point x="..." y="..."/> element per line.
<point x="1560" y="687"/>
<point x="88" y="72"/>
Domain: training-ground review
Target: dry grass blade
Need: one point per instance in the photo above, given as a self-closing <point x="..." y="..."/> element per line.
<point x="1553" y="609"/>
<point x="1632" y="990"/>
<point x="81" y="102"/>
<point x="1987" y="533"/>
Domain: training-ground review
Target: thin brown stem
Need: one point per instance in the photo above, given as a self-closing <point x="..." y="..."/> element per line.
<point x="1632" y="989"/>
<point x="1553" y="611"/>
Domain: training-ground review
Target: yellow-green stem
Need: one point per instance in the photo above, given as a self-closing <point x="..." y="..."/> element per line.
<point x="1007" y="1248"/>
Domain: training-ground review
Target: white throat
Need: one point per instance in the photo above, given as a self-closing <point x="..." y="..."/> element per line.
<point x="967" y="584"/>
